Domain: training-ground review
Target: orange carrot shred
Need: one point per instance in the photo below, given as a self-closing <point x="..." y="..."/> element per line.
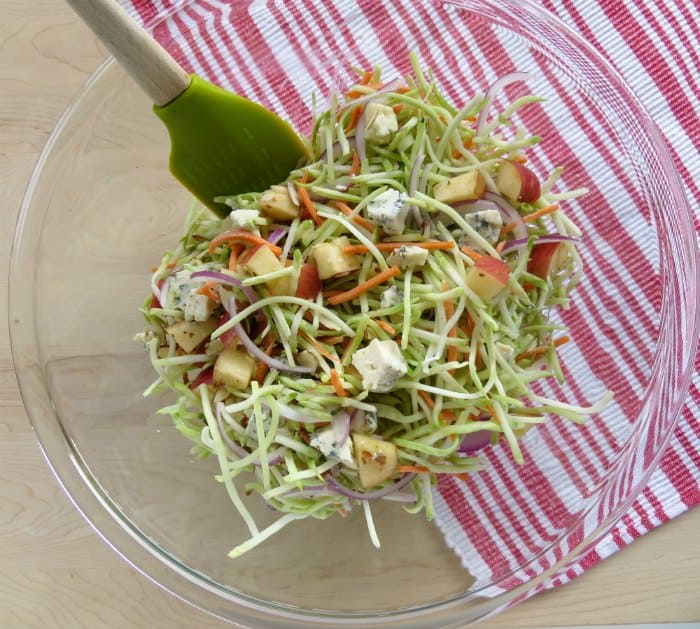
<point x="357" y="219"/>
<point x="521" y="159"/>
<point x="356" y="164"/>
<point x="412" y="469"/>
<point x="355" y="292"/>
<point x="337" y="384"/>
<point x="308" y="204"/>
<point x="547" y="209"/>
<point x="208" y="291"/>
<point x="542" y="349"/>
<point x="474" y="255"/>
<point x="427" y="399"/>
<point x="233" y="259"/>
<point x="388" y="328"/>
<point x="354" y="119"/>
<point x="242" y="236"/>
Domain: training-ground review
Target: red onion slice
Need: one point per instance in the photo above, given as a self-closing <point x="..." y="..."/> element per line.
<point x="256" y="352"/>
<point x="509" y="213"/>
<point x="276" y="235"/>
<point x="227" y="279"/>
<point x="521" y="242"/>
<point x="369" y="495"/>
<point x="496" y="87"/>
<point x="474" y="441"/>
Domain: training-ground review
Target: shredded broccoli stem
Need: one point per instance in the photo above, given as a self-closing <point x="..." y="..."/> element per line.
<point x="471" y="361"/>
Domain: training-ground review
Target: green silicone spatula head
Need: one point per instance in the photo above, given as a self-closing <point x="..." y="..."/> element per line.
<point x="221" y="143"/>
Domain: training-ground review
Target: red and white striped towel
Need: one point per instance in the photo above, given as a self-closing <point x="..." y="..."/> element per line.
<point x="655" y="46"/>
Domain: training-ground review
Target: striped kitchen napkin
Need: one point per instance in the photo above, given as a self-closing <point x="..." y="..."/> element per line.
<point x="655" y="46"/>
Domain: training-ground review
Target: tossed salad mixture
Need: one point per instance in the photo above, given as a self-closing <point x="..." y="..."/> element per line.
<point x="376" y="319"/>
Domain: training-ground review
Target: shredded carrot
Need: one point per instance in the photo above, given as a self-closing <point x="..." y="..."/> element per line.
<point x="318" y="346"/>
<point x="398" y="109"/>
<point x="330" y="293"/>
<point x="337" y="384"/>
<point x="390" y="246"/>
<point x="474" y="255"/>
<point x="543" y="211"/>
<point x="521" y="159"/>
<point x="170" y="265"/>
<point x="427" y="399"/>
<point x="308" y="204"/>
<point x="462" y="476"/>
<point x="354" y="119"/>
<point x="263" y="366"/>
<point x="389" y="329"/>
<point x="356" y="164"/>
<point x="357" y="219"/>
<point x="333" y="340"/>
<point x="208" y="291"/>
<point x="403" y="89"/>
<point x="235" y="236"/>
<point x="412" y="469"/>
<point x="355" y="292"/>
<point x="448" y="417"/>
<point x="500" y="245"/>
<point x="233" y="259"/>
<point x="542" y="349"/>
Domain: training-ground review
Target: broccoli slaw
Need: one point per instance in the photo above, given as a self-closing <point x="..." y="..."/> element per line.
<point x="378" y="318"/>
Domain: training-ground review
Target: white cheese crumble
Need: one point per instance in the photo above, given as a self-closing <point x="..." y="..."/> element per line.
<point x="381" y="364"/>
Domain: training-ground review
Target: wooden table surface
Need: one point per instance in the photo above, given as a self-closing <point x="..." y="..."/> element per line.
<point x="56" y="572"/>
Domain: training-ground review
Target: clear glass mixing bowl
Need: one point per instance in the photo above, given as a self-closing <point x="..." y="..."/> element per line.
<point x="102" y="206"/>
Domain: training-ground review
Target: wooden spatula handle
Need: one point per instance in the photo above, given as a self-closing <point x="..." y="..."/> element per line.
<point x="155" y="71"/>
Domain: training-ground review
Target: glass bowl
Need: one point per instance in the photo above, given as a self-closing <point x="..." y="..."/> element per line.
<point x="102" y="206"/>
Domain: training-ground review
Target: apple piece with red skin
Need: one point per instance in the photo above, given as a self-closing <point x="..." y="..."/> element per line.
<point x="309" y="284"/>
<point x="544" y="259"/>
<point x="517" y="182"/>
<point x="488" y="277"/>
<point x="206" y="376"/>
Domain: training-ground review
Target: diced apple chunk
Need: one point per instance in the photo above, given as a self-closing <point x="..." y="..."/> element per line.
<point x="546" y="259"/>
<point x="488" y="277"/>
<point x="517" y="182"/>
<point x="277" y="203"/>
<point x="190" y="334"/>
<point x="466" y="187"/>
<point x="332" y="261"/>
<point x="234" y="367"/>
<point x="376" y="459"/>
<point x="264" y="261"/>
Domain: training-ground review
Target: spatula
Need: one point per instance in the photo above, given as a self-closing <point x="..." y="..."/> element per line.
<point x="221" y="143"/>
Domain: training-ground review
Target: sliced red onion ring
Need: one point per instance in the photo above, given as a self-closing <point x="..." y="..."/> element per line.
<point x="255" y="351"/>
<point x="227" y="279"/>
<point x="345" y="419"/>
<point x="474" y="441"/>
<point x="369" y="495"/>
<point x="496" y="87"/>
<point x="509" y="213"/>
<point x="163" y="296"/>
<point x="521" y="242"/>
<point x="276" y="235"/>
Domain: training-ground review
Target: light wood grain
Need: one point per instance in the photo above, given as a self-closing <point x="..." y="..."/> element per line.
<point x="56" y="571"/>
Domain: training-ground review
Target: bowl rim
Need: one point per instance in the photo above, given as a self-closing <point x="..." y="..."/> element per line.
<point x="107" y="519"/>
